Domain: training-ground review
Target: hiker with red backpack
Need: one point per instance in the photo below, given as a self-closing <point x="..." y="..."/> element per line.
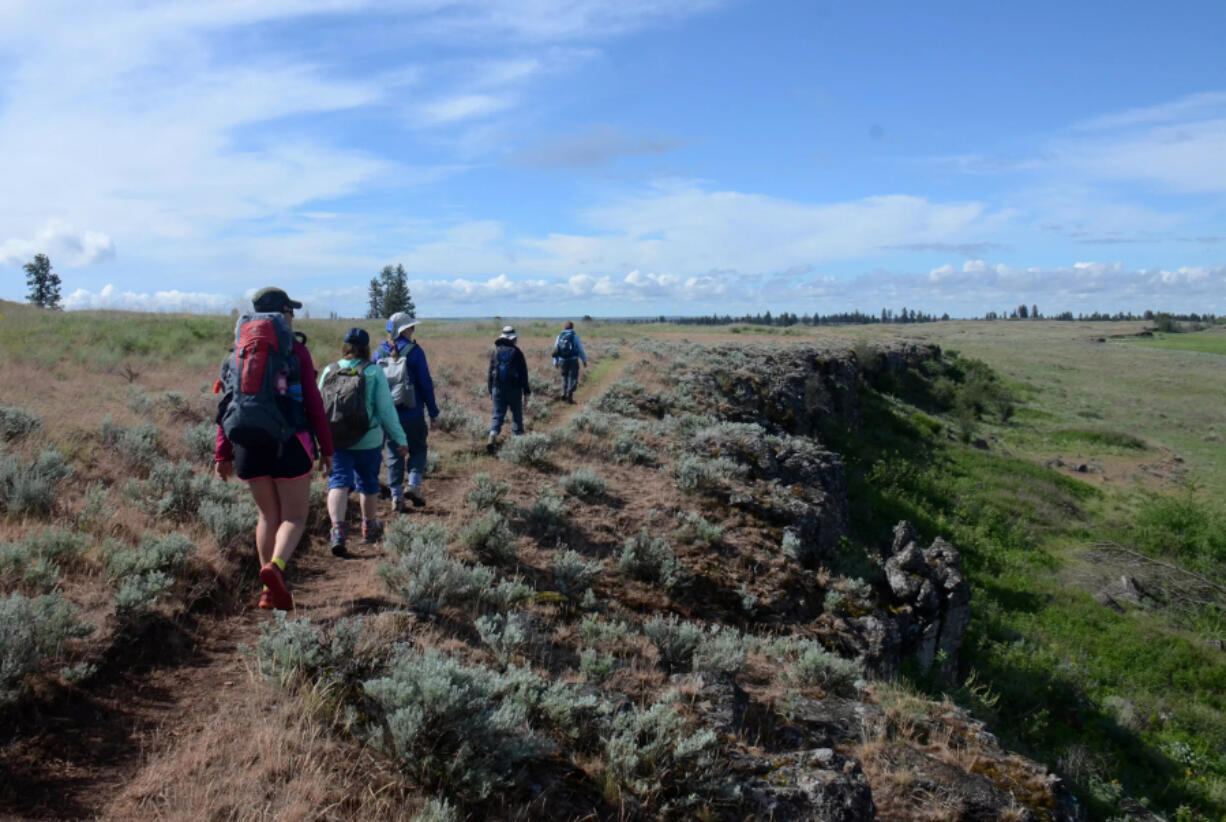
<point x="408" y="375"/>
<point x="359" y="409"/>
<point x="508" y="384"/>
<point x="269" y="412"/>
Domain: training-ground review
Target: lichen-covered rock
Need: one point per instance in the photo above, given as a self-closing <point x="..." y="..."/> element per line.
<point x="818" y="784"/>
<point x="934" y="601"/>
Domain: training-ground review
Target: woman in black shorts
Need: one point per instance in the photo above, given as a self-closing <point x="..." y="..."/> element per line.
<point x="280" y="477"/>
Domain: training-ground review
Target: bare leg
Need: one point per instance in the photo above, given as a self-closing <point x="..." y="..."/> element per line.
<point x="370" y="506"/>
<point x="293" y="495"/>
<point x="338" y="501"/>
<point x="264" y="490"/>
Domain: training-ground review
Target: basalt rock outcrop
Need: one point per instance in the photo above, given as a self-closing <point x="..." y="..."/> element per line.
<point x="935" y="600"/>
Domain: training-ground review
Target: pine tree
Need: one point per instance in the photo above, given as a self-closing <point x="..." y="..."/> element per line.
<point x="389" y="293"/>
<point x="43" y="282"/>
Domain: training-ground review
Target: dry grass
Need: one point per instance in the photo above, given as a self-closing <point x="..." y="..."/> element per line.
<point x="264" y="758"/>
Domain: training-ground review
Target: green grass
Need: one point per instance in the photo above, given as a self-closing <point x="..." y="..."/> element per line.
<point x="1107" y="440"/>
<point x="1210" y="341"/>
<point x="1054" y="667"/>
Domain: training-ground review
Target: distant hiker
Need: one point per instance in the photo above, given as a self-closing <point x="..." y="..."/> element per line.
<point x="268" y="413"/>
<point x="408" y="376"/>
<point x="508" y="384"/>
<point x="359" y="408"/>
<point x="567" y="353"/>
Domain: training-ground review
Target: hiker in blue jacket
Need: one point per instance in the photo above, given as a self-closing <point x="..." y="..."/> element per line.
<point x="408" y="374"/>
<point x="508" y="384"/>
<point x="567" y="354"/>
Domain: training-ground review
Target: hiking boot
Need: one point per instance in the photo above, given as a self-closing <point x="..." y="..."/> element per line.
<point x="265" y="600"/>
<point x="278" y="594"/>
<point x="372" y="531"/>
<point x="337" y="542"/>
<point x="413" y="492"/>
<point x="491" y="442"/>
<point x="397" y="505"/>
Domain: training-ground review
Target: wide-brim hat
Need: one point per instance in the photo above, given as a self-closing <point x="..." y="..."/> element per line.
<point x="273" y="299"/>
<point x="399" y="322"/>
<point x="508" y="333"/>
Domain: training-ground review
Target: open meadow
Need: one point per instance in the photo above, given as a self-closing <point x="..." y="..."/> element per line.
<point x="684" y="597"/>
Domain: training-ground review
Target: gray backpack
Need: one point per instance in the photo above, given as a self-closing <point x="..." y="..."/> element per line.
<point x="344" y="395"/>
<point x="400" y="379"/>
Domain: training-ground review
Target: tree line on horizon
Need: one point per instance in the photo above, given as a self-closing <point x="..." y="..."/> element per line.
<point x="388" y="294"/>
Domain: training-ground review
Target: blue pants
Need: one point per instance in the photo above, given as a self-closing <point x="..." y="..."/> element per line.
<point x="512" y="399"/>
<point x="570" y="375"/>
<point x="353" y="468"/>
<point x="415" y="429"/>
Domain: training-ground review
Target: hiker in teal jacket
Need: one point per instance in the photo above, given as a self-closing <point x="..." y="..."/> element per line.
<point x="357" y="466"/>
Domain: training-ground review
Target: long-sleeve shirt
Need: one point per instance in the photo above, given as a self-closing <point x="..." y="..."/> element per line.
<point x="379" y="407"/>
<point x="419" y="373"/>
<point x="313" y="404"/>
<point x="517" y="380"/>
<point x="579" y="352"/>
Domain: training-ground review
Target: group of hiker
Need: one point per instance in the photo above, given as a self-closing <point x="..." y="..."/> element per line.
<point x="276" y="418"/>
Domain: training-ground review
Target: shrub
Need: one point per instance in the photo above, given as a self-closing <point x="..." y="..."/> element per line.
<point x="95" y="507"/>
<point x="486" y="493"/>
<point x="16" y="423"/>
<point x="426" y="577"/>
<point x="201" y="440"/>
<point x="32" y="633"/>
<point x="505" y="634"/>
<point x="596" y="668"/>
<point x="629" y="448"/>
<point x="595" y="630"/>
<point x="675" y="642"/>
<point x="583" y="483"/>
<point x="230" y="523"/>
<point x="651" y="757"/>
<point x="528" y="450"/>
<point x="697" y="531"/>
<point x="453" y="417"/>
<point x="650" y="560"/>
<point x="849" y="597"/>
<point x="548" y="512"/>
<point x="489" y="537"/>
<point x="29" y="489"/>
<point x="593" y="422"/>
<point x="147" y="572"/>
<point x="138" y="446"/>
<point x="174" y="491"/>
<point x="573" y="576"/>
<point x="436" y="810"/>
<point x="405" y="535"/>
<point x="722" y="651"/>
<point x="295" y="652"/>
<point x="815" y="665"/>
<point x="699" y="474"/>
<point x="449" y="726"/>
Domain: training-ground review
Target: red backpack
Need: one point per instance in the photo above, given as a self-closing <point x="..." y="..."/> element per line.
<point x="256" y="409"/>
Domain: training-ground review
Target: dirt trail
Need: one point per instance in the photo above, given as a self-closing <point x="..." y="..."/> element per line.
<point x="83" y="758"/>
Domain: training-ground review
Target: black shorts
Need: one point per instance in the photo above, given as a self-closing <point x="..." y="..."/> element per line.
<point x="257" y="463"/>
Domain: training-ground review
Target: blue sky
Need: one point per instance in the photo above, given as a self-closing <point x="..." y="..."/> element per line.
<point x="563" y="157"/>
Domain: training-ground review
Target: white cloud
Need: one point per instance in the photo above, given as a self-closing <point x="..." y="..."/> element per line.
<point x="62" y="243"/>
<point x="1193" y="104"/>
<point x="450" y="110"/>
<point x="184" y="302"/>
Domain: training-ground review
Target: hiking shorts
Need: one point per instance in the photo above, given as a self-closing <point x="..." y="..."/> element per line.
<point x="356" y="468"/>
<point x="293" y="462"/>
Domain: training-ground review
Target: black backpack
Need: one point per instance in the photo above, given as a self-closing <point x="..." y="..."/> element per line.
<point x="344" y="395"/>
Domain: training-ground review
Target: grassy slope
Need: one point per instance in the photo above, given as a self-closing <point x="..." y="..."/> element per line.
<point x="1127" y="704"/>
